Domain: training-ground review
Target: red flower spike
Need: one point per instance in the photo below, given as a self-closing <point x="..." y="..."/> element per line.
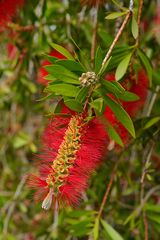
<point x="43" y="72"/>
<point x="71" y="152"/>
<point x="8" y="9"/>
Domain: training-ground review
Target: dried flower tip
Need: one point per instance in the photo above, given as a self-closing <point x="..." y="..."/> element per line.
<point x="88" y="79"/>
<point x="111" y="145"/>
<point x="47" y="202"/>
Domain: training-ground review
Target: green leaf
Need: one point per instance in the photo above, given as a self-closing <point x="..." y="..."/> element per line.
<point x="20" y="140"/>
<point x="119" y="6"/>
<point x="156" y="74"/>
<point x="113" y="134"/>
<point x="134" y="27"/>
<point x="154" y="217"/>
<point x="82" y="94"/>
<point x="151" y="122"/>
<point x="46" y="97"/>
<point x="112" y="233"/>
<point x="50" y="77"/>
<point x="98" y="59"/>
<point x="74" y="105"/>
<point x="103" y="69"/>
<point x="127" y="96"/>
<point x="62" y="73"/>
<point x="63" y="89"/>
<point x="111" y="87"/>
<point x="117" y="57"/>
<point x="96" y="229"/>
<point x="62" y="50"/>
<point x="50" y="58"/>
<point x="152" y="207"/>
<point x="119" y="86"/>
<point x="98" y="105"/>
<point x="71" y="65"/>
<point x="147" y="64"/>
<point x="105" y="37"/>
<point x="115" y="15"/>
<point x="122" y="67"/>
<point x="120" y="114"/>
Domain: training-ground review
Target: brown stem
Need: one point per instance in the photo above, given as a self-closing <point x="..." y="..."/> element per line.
<point x="145" y="227"/>
<point x="109" y="186"/>
<point x="139" y="18"/>
<point x="19" y="28"/>
<point x="117" y="37"/>
<point x="140" y="12"/>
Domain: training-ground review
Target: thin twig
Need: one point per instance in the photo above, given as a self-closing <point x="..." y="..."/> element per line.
<point x="140" y="12"/>
<point x="117" y="37"/>
<point x="145" y="199"/>
<point x="147" y="157"/>
<point x="109" y="186"/>
<point x="139" y="19"/>
<point x="145" y="227"/>
<point x="13" y="204"/>
<point x="151" y="102"/>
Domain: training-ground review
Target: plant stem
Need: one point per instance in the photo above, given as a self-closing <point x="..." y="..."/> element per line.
<point x="110" y="51"/>
<point x="139" y="19"/>
<point x="140" y="12"/>
<point x="145" y="227"/>
<point x="119" y="33"/>
<point x="109" y="186"/>
<point x="12" y="205"/>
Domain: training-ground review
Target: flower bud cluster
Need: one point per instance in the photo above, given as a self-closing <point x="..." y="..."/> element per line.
<point x="87" y="79"/>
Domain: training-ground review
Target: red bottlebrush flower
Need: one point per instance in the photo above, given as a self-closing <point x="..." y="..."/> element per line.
<point x="42" y="71"/>
<point x="92" y="2"/>
<point x="72" y="150"/>
<point x="8" y="9"/>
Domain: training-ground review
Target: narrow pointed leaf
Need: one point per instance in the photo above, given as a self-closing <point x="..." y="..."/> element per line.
<point x="96" y="229"/>
<point x="112" y="233"/>
<point x="62" y="50"/>
<point x="122" y="67"/>
<point x="71" y="65"/>
<point x="62" y="74"/>
<point x="147" y="64"/>
<point x="98" y="59"/>
<point x="115" y="15"/>
<point x="121" y="114"/>
<point x="67" y="90"/>
<point x="134" y="27"/>
<point x="74" y="105"/>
